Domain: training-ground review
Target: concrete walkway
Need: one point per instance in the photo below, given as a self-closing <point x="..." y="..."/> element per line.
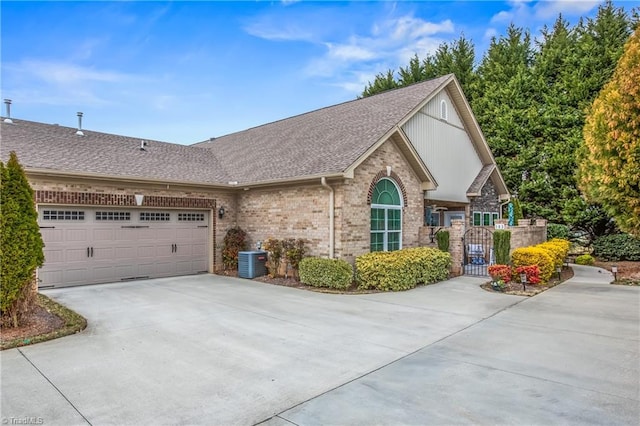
<point x="213" y="350"/>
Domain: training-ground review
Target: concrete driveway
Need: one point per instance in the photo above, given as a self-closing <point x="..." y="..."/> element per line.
<point x="213" y="350"/>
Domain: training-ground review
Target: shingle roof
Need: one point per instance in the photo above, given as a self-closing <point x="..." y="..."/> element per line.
<point x="322" y="142"/>
<point x="479" y="181"/>
<point x="325" y="141"/>
<point x="53" y="147"/>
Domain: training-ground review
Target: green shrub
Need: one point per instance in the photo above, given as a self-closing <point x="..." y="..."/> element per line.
<point x="502" y="246"/>
<point x="443" y="240"/>
<point x="585" y="259"/>
<point x="527" y="256"/>
<point x="294" y="250"/>
<point x="275" y="253"/>
<point x="402" y="269"/>
<point x="234" y="242"/>
<point x="331" y="273"/>
<point x="21" y="245"/>
<point x="557" y="249"/>
<point x="616" y="247"/>
<point x="556" y="230"/>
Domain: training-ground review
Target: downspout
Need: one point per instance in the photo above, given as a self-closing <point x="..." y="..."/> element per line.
<point x="502" y="205"/>
<point x="332" y="217"/>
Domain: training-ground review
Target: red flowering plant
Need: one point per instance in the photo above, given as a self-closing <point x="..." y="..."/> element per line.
<point x="532" y="272"/>
<point x="500" y="273"/>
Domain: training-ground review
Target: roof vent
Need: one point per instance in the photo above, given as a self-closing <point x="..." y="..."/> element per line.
<point x="143" y="145"/>
<point x="79" y="132"/>
<point x="7" y="102"/>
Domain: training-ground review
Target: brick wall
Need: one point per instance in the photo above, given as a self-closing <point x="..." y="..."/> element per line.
<point x="353" y="220"/>
<point x="300" y="211"/>
<point x="112" y="193"/>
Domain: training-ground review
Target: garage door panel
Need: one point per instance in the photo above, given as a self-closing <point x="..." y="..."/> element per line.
<point x="54" y="256"/>
<point x="75" y="235"/>
<point x="76" y="254"/>
<point x="95" y="247"/>
<point x="101" y="235"/>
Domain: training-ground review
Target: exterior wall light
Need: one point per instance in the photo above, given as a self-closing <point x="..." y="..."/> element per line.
<point x="220" y="212"/>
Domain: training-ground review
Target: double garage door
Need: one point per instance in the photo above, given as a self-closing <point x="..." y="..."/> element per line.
<point x="100" y="245"/>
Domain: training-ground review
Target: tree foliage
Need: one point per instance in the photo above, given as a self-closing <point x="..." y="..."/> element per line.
<point x="609" y="169"/>
<point x="530" y="99"/>
<point x="21" y="246"/>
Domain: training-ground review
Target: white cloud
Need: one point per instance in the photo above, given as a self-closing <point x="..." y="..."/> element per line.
<point x="489" y="34"/>
<point x="268" y="29"/>
<point x="51" y="82"/>
<point x="523" y="12"/>
<point x="551" y="8"/>
<point x="389" y="44"/>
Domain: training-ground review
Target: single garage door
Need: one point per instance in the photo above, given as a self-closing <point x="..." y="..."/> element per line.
<point x="100" y="245"/>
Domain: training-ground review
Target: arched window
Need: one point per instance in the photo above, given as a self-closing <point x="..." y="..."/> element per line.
<point x="386" y="216"/>
<point x="443" y="109"/>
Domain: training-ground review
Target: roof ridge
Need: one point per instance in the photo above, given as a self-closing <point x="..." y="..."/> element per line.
<point x="386" y="92"/>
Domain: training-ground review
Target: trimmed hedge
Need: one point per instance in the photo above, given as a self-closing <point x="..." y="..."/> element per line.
<point x="402" y="269"/>
<point x="558" y="250"/>
<point x="617" y="247"/>
<point x="331" y="273"/>
<point x="584" y="259"/>
<point x="502" y="246"/>
<point x="548" y="256"/>
<point x="443" y="240"/>
<point x="534" y="255"/>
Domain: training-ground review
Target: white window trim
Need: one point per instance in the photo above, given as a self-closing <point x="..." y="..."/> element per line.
<point x="444" y="110"/>
<point x="386" y="207"/>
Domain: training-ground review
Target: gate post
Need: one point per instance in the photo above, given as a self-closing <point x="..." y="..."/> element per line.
<point x="456" y="246"/>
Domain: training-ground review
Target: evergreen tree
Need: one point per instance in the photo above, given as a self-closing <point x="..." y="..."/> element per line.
<point x="502" y="103"/>
<point x="609" y="169"/>
<point x="21" y="246"/>
<point x="381" y="83"/>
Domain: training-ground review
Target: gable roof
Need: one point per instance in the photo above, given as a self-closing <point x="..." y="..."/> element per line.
<point x="52" y="148"/>
<point x="326" y="141"/>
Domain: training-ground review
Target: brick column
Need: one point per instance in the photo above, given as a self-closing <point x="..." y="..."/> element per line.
<point x="456" y="248"/>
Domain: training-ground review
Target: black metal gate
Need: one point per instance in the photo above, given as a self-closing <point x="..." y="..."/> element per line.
<point x="477" y="245"/>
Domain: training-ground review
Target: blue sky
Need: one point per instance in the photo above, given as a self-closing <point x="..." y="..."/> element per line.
<point x="186" y="71"/>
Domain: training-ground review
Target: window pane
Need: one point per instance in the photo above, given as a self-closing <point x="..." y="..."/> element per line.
<point x="494" y="217"/>
<point x="394" y="223"/>
<point x="377" y="219"/>
<point x="486" y="219"/>
<point x="477" y="218"/>
<point x="377" y="241"/>
<point x="393" y="241"/>
<point x="385" y="192"/>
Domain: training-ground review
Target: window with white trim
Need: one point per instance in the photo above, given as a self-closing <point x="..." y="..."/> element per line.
<point x="63" y="215"/>
<point x="484" y="218"/>
<point x="443" y="110"/>
<point x="154" y="217"/>
<point x="113" y="216"/>
<point x="386" y="217"/>
<point x="190" y="217"/>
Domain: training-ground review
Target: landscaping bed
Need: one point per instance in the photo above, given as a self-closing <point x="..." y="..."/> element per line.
<point x="628" y="272"/>
<point x="515" y="288"/>
<point x="49" y="320"/>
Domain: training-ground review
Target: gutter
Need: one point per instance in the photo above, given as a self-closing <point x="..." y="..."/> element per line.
<point x="332" y="217"/>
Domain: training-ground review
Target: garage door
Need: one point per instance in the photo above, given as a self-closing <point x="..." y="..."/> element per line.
<point x="101" y="245"/>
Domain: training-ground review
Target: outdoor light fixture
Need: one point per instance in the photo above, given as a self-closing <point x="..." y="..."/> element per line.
<point x="614" y="270"/>
<point x="523" y="278"/>
<point x="220" y="212"/>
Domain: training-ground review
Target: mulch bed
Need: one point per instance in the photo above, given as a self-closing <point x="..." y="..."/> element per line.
<point x="48" y="320"/>
<point x="40" y="321"/>
<point x="628" y="272"/>
<point x="515" y="288"/>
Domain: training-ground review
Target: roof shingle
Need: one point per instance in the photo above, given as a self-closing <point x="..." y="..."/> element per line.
<point x="325" y="141"/>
